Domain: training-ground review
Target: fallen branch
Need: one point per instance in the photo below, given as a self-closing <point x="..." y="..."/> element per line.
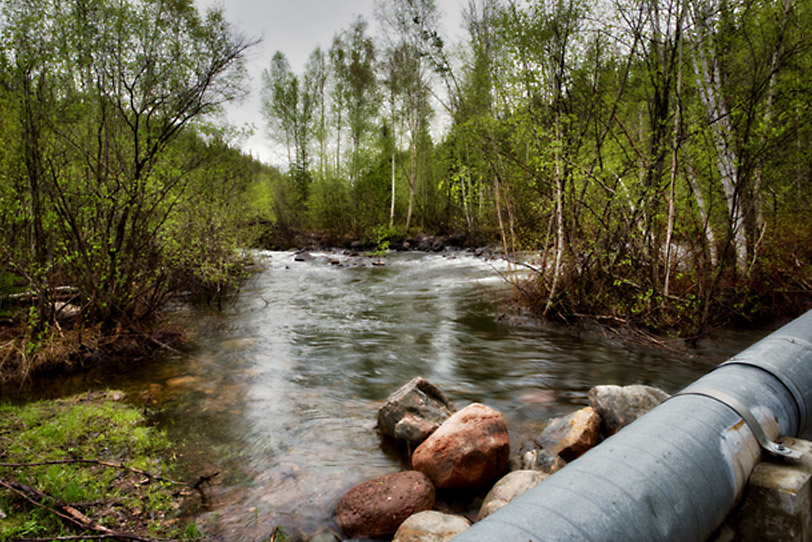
<point x="206" y="478"/>
<point x="110" y="464"/>
<point x="75" y="537"/>
<point x="600" y="317"/>
<point x="61" y="293"/>
<point x="66" y="512"/>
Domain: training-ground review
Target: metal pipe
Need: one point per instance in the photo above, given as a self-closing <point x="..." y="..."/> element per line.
<point x="675" y="473"/>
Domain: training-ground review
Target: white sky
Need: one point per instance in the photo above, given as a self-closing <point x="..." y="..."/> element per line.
<point x="296" y="27"/>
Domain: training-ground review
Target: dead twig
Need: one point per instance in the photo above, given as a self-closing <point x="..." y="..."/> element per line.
<point x="110" y="464"/>
<point x="75" y="537"/>
<point x="204" y="479"/>
<point x="66" y="512"/>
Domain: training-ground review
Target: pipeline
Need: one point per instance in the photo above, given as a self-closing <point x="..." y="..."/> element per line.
<point x="676" y="472"/>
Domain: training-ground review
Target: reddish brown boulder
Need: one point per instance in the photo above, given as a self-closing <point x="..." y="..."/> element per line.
<point x="571" y="436"/>
<point x="377" y="507"/>
<point x="470" y="450"/>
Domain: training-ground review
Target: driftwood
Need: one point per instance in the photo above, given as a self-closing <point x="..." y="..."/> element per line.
<point x="59" y="293"/>
<point x="67" y="513"/>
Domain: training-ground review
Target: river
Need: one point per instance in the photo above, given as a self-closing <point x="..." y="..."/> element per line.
<point x="279" y="390"/>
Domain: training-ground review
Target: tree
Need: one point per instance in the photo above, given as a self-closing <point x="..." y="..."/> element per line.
<point x="124" y="81"/>
<point x="414" y="51"/>
<point x="289" y="105"/>
<point x="356" y="97"/>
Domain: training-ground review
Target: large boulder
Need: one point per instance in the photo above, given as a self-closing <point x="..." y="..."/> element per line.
<point x="414" y="411"/>
<point x="377" y="507"/>
<point x="619" y="406"/>
<point x="570" y="436"/>
<point x="431" y="526"/>
<point x="537" y="459"/>
<point x="508" y="488"/>
<point x="470" y="450"/>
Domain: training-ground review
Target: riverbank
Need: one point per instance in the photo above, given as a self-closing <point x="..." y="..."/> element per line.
<point x="88" y="465"/>
<point x="275" y="390"/>
<point x="26" y="355"/>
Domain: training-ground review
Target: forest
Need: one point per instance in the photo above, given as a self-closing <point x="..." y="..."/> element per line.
<point x="646" y="161"/>
<point x="650" y="156"/>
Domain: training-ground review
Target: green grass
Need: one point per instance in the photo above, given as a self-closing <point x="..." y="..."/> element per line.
<point x="96" y="426"/>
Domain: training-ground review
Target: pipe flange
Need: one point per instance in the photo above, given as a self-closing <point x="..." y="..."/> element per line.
<point x="771" y="447"/>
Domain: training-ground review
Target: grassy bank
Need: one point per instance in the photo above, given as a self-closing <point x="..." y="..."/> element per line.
<point x="86" y="466"/>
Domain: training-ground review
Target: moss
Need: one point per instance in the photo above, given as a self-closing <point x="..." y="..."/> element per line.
<point x="96" y="426"/>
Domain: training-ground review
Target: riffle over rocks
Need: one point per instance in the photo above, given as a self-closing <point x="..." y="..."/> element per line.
<point x="377" y="507"/>
<point x="431" y="526"/>
<point x="571" y="436"/>
<point x="414" y="411"/>
<point x="619" y="406"/>
<point x="470" y="450"/>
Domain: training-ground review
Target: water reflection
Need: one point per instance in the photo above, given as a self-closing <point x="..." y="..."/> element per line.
<point x="279" y="391"/>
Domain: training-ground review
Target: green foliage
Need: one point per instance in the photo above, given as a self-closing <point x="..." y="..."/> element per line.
<point x="107" y="152"/>
<point x="93" y="426"/>
<point x="382" y="235"/>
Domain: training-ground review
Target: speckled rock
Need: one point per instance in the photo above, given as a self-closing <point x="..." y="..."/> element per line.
<point x="414" y="411"/>
<point x="537" y="459"/>
<point x="508" y="488"/>
<point x="377" y="507"/>
<point x="570" y="436"/>
<point x="619" y="406"/>
<point x="431" y="526"/>
<point x="470" y="450"/>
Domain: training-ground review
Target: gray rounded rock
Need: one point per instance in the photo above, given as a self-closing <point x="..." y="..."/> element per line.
<point x="414" y="411"/>
<point x="537" y="459"/>
<point x="431" y="526"/>
<point x="618" y="406"/>
<point x="508" y="488"/>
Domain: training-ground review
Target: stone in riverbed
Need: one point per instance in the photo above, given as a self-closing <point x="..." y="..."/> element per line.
<point x="414" y="411"/>
<point x="619" y="406"/>
<point x="377" y="507"/>
<point x="508" y="488"/>
<point x="431" y="526"/>
<point x="469" y="451"/>
<point x="538" y="460"/>
<point x="571" y="436"/>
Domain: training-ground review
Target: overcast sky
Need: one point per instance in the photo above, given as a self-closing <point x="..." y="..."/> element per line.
<point x="296" y="27"/>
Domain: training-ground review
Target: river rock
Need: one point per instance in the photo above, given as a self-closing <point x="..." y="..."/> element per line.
<point x="303" y="257"/>
<point x="414" y="411"/>
<point x="508" y="488"/>
<point x="431" y="526"/>
<point x="619" y="406"/>
<point x="377" y="507"/>
<point x="570" y="436"/>
<point x="470" y="450"/>
<point x="537" y="459"/>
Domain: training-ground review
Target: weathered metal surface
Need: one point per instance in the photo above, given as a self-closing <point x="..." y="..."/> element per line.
<point x="675" y="473"/>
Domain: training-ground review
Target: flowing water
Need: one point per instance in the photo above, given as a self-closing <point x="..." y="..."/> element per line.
<point x="279" y="390"/>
